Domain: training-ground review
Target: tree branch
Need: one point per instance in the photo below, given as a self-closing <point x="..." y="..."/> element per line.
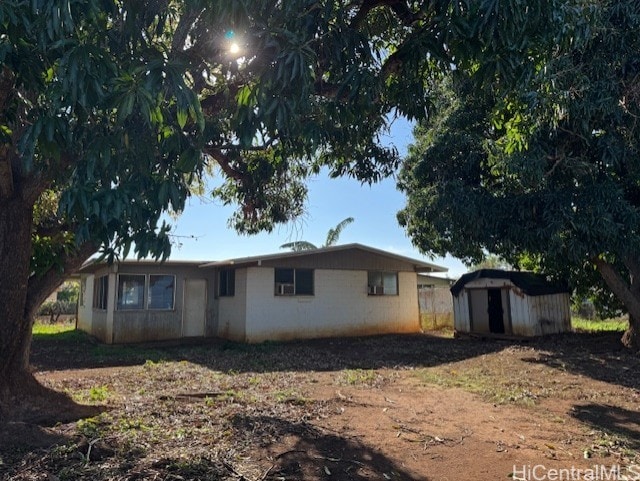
<point x="225" y="164"/>
<point x="619" y="286"/>
<point x="187" y="19"/>
<point x="399" y="7"/>
<point x="631" y="263"/>
<point x="40" y="287"/>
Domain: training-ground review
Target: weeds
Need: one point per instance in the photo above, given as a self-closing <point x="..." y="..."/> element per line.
<point x="618" y="324"/>
<point x="478" y="381"/>
<point x="356" y="377"/>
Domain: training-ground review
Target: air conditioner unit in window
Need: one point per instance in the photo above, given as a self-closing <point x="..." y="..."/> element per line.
<point x="376" y="290"/>
<point x="285" y="289"/>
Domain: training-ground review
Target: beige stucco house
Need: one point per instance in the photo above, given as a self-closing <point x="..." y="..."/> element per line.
<point x="335" y="291"/>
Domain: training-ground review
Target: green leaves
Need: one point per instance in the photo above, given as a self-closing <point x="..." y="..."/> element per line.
<point x="539" y="162"/>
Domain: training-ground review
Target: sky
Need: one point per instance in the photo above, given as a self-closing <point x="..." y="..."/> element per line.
<point x="203" y="232"/>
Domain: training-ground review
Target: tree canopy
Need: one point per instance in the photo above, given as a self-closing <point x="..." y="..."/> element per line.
<point x="111" y="110"/>
<point x="542" y="169"/>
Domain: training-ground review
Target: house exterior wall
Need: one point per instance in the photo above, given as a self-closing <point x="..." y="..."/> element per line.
<point x="340" y="306"/>
<point x="154" y="324"/>
<point x="90" y="320"/>
<point x="85" y="304"/>
<point x="232" y="310"/>
<point x="141" y="325"/>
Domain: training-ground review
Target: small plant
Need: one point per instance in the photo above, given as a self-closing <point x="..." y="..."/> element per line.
<point x="290" y="396"/>
<point x="354" y="377"/>
<point x="132" y="424"/>
<point x="89" y="427"/>
<point x="98" y="393"/>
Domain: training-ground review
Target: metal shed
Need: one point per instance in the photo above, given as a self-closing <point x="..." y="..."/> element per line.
<point x="497" y="302"/>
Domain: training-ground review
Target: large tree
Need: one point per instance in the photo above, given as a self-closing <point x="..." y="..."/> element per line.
<point x="541" y="168"/>
<point x="111" y="110"/>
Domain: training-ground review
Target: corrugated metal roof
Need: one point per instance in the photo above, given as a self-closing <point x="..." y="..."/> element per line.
<point x="530" y="283"/>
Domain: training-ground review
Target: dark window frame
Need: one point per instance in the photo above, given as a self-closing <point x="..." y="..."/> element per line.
<point x="291" y="281"/>
<point x="126" y="306"/>
<point x="227" y="283"/>
<point x="101" y="292"/>
<point x="376" y="287"/>
<point x="150" y="298"/>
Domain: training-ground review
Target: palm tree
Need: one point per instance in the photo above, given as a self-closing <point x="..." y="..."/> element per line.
<point x="332" y="238"/>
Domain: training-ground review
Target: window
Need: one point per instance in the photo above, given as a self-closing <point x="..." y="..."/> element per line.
<point x="294" y="282"/>
<point x="131" y="291"/>
<point x="382" y="283"/>
<point x="227" y="283"/>
<point x="161" y="289"/>
<point x="101" y="292"/>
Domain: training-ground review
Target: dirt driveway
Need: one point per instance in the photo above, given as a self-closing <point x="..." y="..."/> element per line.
<point x="424" y="407"/>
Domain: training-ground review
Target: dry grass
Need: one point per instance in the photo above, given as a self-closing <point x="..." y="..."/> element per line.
<point x="216" y="410"/>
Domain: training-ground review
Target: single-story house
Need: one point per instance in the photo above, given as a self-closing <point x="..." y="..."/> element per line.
<point x="335" y="291"/>
<point x="498" y="302"/>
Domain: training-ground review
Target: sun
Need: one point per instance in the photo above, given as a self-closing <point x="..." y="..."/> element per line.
<point x="234" y="48"/>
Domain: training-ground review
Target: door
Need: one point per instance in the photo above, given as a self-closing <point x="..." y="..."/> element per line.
<point x="194" y="308"/>
<point x="495" y="311"/>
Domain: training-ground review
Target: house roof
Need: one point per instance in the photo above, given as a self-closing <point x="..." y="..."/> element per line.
<point x="419" y="266"/>
<point x="92" y="265"/>
<point x="530" y="283"/>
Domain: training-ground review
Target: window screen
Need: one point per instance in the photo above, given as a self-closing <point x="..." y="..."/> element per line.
<point x="130" y="291"/>
<point x="161" y="288"/>
<point x="101" y="292"/>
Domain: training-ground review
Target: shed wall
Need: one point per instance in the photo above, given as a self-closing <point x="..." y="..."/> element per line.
<point x="529" y="315"/>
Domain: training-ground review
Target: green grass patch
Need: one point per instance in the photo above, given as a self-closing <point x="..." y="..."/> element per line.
<point x="355" y="377"/>
<point x="60" y="331"/>
<point x="477" y="381"/>
<point x="618" y="324"/>
<point x="290" y="396"/>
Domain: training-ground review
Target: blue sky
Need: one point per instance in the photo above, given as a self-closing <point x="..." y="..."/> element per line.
<point x="373" y="208"/>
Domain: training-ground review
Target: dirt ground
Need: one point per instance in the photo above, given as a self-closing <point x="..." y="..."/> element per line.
<point x="421" y="407"/>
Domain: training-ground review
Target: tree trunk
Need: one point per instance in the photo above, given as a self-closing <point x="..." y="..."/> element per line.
<point x="22" y="397"/>
<point x="631" y="337"/>
<point x="15" y="322"/>
<point x="629" y="294"/>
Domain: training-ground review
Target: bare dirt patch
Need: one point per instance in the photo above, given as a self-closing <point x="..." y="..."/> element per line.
<point x="422" y="407"/>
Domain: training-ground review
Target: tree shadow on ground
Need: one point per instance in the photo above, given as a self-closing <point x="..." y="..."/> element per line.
<point x="303" y="451"/>
<point x="612" y="420"/>
<point x="385" y="351"/>
<point x="599" y="356"/>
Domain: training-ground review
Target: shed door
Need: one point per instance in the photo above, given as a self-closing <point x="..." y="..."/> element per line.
<point x="495" y="311"/>
<point x="195" y="305"/>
